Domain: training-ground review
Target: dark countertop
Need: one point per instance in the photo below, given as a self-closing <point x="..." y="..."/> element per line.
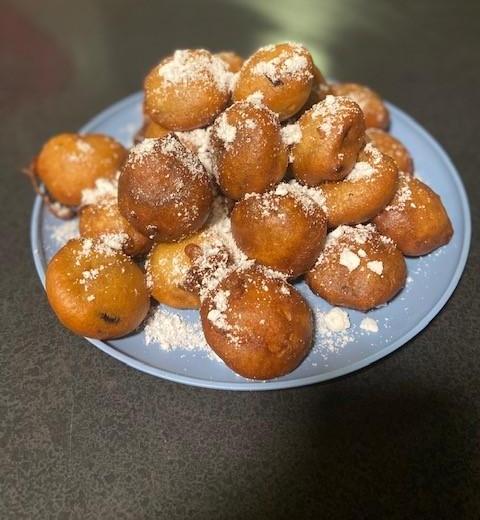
<point x="83" y="436"/>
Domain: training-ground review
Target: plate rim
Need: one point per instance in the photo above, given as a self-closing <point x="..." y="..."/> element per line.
<point x="246" y="385"/>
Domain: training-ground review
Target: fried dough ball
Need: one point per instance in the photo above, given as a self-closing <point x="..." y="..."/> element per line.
<point x="195" y="140"/>
<point x="415" y="219"/>
<point x="104" y="218"/>
<point x="392" y="147"/>
<point x="333" y="133"/>
<point x="281" y="75"/>
<point x="359" y="268"/>
<point x="373" y="108"/>
<point x="153" y="130"/>
<point x="233" y="61"/>
<point x="167" y="268"/>
<point x="163" y="190"/>
<point x="365" y="192"/>
<point x="95" y="290"/>
<point x="69" y="163"/>
<point x="248" y="152"/>
<point x="283" y="229"/>
<point x="257" y="323"/>
<point x="187" y="90"/>
<point x="320" y="88"/>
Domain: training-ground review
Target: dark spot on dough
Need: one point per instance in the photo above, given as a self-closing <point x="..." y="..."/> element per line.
<point x="274" y="82"/>
<point x="109" y="318"/>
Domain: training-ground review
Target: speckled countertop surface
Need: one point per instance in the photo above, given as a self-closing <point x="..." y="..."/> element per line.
<point x="83" y="436"/>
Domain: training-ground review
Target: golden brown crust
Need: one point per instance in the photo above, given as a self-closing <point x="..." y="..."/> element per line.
<point x="320" y="88"/>
<point x="259" y="325"/>
<point x="96" y="291"/>
<point x="282" y="74"/>
<point x="373" y="108"/>
<point x="70" y="163"/>
<point x="416" y="218"/>
<point x="280" y="229"/>
<point x="104" y="218"/>
<point x="164" y="191"/>
<point x="392" y="147"/>
<point x="153" y="130"/>
<point x="248" y="152"/>
<point x="233" y="61"/>
<point x="167" y="268"/>
<point x="359" y="269"/>
<point x="332" y="135"/>
<point x="365" y="192"/>
<point x="187" y="90"/>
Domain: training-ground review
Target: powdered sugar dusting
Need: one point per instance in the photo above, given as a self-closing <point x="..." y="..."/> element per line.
<point x="188" y="66"/>
<point x="375" y="266"/>
<point x="256" y="98"/>
<point x="64" y="232"/>
<point x="337" y="320"/>
<point x="291" y="134"/>
<point x="171" y="145"/>
<point x="330" y="341"/>
<point x="171" y="332"/>
<point x="198" y="141"/>
<point x="329" y="111"/>
<point x="105" y="188"/>
<point x="403" y="196"/>
<point x="307" y="196"/>
<point x="341" y="241"/>
<point x="349" y="259"/>
<point x="369" y="325"/>
<point x="225" y="131"/>
<point x="361" y="171"/>
<point x="287" y="64"/>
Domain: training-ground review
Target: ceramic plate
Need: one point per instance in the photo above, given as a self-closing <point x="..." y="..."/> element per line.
<point x="432" y="278"/>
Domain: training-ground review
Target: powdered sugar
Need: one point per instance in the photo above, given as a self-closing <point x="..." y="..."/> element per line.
<point x="171" y="332"/>
<point x="217" y="314"/>
<point x="373" y="153"/>
<point x="369" y="325"/>
<point x="199" y="142"/>
<point x="403" y="196"/>
<point x="64" y="232"/>
<point x="291" y="134"/>
<point x="225" y="131"/>
<point x="376" y="266"/>
<point x="330" y="341"/>
<point x="105" y="188"/>
<point x="337" y="320"/>
<point x="188" y="66"/>
<point x="361" y="171"/>
<point x="167" y="145"/>
<point x="330" y="111"/>
<point x="60" y="210"/>
<point x="349" y="259"/>
<point x="287" y="64"/>
<point x="109" y="244"/>
<point x="219" y="231"/>
<point x="310" y="198"/>
<point x="171" y="145"/>
<point x="256" y="98"/>
<point x="114" y="241"/>
<point x="143" y="149"/>
<point x="83" y="146"/>
<point x="345" y="237"/>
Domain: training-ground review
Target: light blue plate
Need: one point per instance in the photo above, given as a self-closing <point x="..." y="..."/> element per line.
<point x="432" y="278"/>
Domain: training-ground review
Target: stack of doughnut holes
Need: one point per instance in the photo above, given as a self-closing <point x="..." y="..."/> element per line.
<point x="246" y="175"/>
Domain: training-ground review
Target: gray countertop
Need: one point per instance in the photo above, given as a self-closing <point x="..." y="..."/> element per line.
<point x="83" y="436"/>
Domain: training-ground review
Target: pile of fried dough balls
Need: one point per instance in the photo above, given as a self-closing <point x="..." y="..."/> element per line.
<point x="245" y="176"/>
